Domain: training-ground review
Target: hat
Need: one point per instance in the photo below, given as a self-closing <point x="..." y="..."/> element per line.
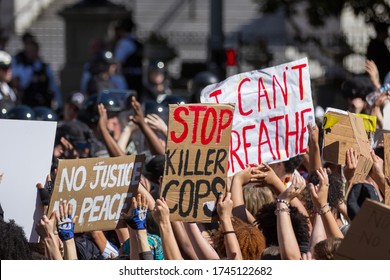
<point x="154" y="167"/>
<point x="5" y="59"/>
<point x="358" y="194"/>
<point x="75" y="132"/>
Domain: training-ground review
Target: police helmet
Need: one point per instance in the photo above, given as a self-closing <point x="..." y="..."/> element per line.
<point x="157" y="65"/>
<point x="110" y="102"/>
<point x="21" y="112"/>
<point x="175" y="99"/>
<point x="152" y="107"/>
<point x="5" y="60"/>
<point x="199" y="82"/>
<point x="5" y="107"/>
<point x="45" y="114"/>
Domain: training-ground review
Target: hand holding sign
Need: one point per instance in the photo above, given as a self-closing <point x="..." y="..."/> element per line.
<point x="351" y="161"/>
<point x="45" y="191"/>
<point x="266" y="173"/>
<point x="377" y="172"/>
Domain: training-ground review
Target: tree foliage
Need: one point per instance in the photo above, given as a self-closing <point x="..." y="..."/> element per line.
<point x="317" y="11"/>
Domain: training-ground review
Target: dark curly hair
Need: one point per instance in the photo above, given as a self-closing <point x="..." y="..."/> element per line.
<point x="335" y="192"/>
<point x="250" y="238"/>
<point x="13" y="244"/>
<point x="267" y="222"/>
<point x="293" y="163"/>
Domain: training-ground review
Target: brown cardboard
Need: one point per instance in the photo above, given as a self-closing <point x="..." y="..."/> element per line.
<point x="386" y="140"/>
<point x="347" y="132"/>
<point x="368" y="236"/>
<point x="192" y="179"/>
<point x="85" y="191"/>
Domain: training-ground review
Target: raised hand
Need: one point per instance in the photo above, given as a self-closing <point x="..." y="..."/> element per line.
<point x="65" y="223"/>
<point x="161" y="211"/>
<point x="139" y="208"/>
<point x="319" y="193"/>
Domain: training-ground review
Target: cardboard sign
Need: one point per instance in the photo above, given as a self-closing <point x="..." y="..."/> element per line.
<point x="26" y="149"/>
<point x="273" y="108"/>
<point x="386" y="140"/>
<point x="344" y="130"/>
<point x="368" y="236"/>
<point x="196" y="160"/>
<point x="99" y="189"/>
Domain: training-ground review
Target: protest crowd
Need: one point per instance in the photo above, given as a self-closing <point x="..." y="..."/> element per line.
<point x="275" y="194"/>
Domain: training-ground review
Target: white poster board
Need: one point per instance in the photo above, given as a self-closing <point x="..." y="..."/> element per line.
<point x="273" y="108"/>
<point x="26" y="149"/>
<point x="386" y="116"/>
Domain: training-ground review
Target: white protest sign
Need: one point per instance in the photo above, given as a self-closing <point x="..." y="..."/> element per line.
<point x="26" y="149"/>
<point x="273" y="108"/>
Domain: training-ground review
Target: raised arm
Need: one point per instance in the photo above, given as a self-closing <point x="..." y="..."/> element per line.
<point x="319" y="196"/>
<point x="157" y="124"/>
<point x="314" y="148"/>
<point x="65" y="227"/>
<point x="137" y="223"/>
<point x="373" y="72"/>
<point x="113" y="149"/>
<point x="161" y="216"/>
<point x="183" y="241"/>
<point x="277" y="186"/>
<point x="203" y="249"/>
<point x="45" y="229"/>
<point x="239" y="180"/>
<point x="224" y="209"/>
<point x="288" y="244"/>
<point x="154" y="144"/>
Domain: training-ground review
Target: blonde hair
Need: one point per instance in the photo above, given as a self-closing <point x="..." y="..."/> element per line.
<point x="256" y="196"/>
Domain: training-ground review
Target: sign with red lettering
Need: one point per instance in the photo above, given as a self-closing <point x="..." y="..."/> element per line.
<point x="99" y="189"/>
<point x="196" y="160"/>
<point x="273" y="108"/>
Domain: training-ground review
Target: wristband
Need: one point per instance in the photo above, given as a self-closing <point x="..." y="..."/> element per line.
<point x="280" y="210"/>
<point x="283" y="201"/>
<point x="227" y="232"/>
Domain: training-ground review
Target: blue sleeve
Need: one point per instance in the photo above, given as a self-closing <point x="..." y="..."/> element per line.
<point x="53" y="86"/>
<point x="124" y="49"/>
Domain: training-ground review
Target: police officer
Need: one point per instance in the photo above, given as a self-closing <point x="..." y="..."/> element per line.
<point x="129" y="53"/>
<point x="35" y="79"/>
<point x="157" y="86"/>
<point x="199" y="82"/>
<point x="7" y="95"/>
